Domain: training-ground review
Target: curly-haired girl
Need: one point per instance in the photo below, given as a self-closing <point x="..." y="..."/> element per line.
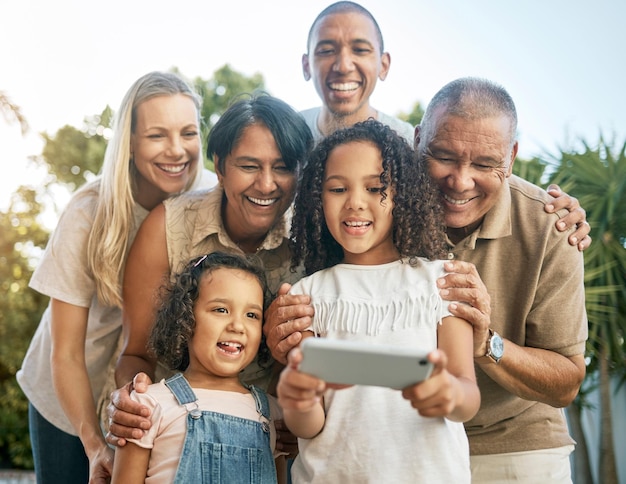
<point x="209" y="326"/>
<point x="368" y="220"/>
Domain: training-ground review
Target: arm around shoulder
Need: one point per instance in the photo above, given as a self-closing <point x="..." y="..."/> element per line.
<point x="147" y="269"/>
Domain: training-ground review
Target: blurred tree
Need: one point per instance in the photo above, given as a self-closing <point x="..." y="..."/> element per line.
<point x="12" y="112"/>
<point x="597" y="177"/>
<point x="20" y="311"/>
<point x="73" y="156"/>
<point x="532" y="170"/>
<point x="415" y="116"/>
<point x="219" y="92"/>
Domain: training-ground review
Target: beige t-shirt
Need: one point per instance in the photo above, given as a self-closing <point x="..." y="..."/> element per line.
<point x="62" y="274"/>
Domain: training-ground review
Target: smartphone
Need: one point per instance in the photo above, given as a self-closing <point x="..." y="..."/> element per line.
<point x="357" y="363"/>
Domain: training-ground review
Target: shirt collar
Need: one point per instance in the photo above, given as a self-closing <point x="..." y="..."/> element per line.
<point x="209" y="222"/>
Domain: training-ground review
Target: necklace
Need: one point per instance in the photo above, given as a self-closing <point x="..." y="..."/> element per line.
<point x="254" y="251"/>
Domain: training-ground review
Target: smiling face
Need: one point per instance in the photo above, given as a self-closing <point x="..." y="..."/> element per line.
<point x="165" y="146"/>
<point x="345" y="62"/>
<point x="258" y="187"/>
<point x="228" y="320"/>
<point x="356" y="216"/>
<point x="469" y="159"/>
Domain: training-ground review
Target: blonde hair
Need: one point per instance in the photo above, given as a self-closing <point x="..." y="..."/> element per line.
<point x="109" y="238"/>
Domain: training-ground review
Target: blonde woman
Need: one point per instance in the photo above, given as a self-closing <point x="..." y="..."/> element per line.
<point x="155" y="153"/>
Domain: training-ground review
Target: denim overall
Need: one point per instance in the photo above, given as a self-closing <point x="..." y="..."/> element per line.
<point x="222" y="448"/>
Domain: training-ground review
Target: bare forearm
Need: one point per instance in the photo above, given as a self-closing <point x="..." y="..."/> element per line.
<point x="305" y="425"/>
<point x="131" y="464"/>
<point x="538" y="375"/>
<point x="73" y="389"/>
<point x="468" y="401"/>
<point x="129" y="365"/>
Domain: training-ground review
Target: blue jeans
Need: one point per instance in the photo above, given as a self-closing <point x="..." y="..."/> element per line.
<point x="59" y="457"/>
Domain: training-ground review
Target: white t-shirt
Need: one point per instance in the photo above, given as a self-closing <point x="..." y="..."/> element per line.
<point x="166" y="436"/>
<point x="403" y="128"/>
<point x="372" y="434"/>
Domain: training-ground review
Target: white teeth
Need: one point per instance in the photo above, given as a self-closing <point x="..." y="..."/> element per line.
<point x="230" y="343"/>
<point x="173" y="168"/>
<point x="264" y="202"/>
<point x="454" y="201"/>
<point x="344" y="86"/>
<point x="357" y="223"/>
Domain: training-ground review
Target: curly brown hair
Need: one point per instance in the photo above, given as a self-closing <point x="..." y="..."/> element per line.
<point x="418" y="228"/>
<point x="175" y="323"/>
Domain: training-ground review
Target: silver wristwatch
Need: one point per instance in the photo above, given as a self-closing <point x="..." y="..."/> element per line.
<point x="495" y="346"/>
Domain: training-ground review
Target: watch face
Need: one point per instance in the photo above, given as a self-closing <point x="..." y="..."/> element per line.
<point x="497" y="346"/>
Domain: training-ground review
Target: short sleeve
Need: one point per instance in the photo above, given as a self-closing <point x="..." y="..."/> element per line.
<point x="62" y="272"/>
<point x="147" y="441"/>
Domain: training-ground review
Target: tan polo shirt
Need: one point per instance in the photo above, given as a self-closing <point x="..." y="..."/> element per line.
<point x="535" y="280"/>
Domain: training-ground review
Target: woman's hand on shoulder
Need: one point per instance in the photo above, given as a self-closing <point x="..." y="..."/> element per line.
<point x="285" y="318"/>
<point x="128" y="419"/>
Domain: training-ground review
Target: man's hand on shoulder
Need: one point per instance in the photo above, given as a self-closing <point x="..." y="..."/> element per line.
<point x="471" y="301"/>
<point x="577" y="217"/>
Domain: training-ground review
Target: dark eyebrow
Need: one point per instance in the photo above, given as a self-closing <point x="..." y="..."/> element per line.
<point x="343" y="178"/>
<point x="362" y="41"/>
<point x="252" y="159"/>
<point x="329" y="42"/>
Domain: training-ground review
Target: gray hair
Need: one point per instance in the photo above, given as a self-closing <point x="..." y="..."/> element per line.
<point x="471" y="98"/>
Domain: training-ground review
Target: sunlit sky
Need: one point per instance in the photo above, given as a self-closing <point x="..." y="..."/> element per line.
<point x="563" y="61"/>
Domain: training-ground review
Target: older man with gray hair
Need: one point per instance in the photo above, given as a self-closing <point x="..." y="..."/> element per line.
<point x="519" y="283"/>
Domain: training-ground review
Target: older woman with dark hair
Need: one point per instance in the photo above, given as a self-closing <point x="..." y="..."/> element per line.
<point x="258" y="146"/>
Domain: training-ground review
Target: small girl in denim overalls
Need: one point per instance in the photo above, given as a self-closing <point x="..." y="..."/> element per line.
<point x="207" y="426"/>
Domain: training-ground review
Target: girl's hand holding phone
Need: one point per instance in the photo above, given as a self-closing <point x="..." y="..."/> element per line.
<point x="438" y="395"/>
